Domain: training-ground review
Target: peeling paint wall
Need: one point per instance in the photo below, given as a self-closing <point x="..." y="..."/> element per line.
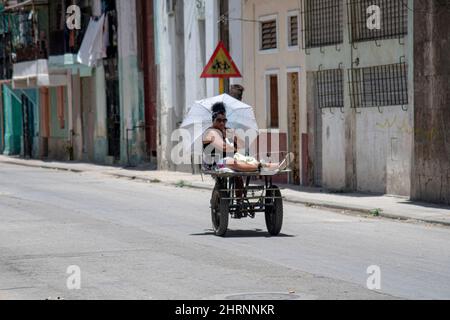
<point x="100" y="134"/>
<point x="100" y="131"/>
<point x="131" y="86"/>
<point x="58" y="139"/>
<point x="171" y="77"/>
<point x="431" y="170"/>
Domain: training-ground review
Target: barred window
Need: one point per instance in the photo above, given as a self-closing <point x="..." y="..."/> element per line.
<point x="293" y="30"/>
<point x="322" y="22"/>
<point x="269" y="34"/>
<point x="330" y="88"/>
<point x="379" y="86"/>
<point x="394" y="19"/>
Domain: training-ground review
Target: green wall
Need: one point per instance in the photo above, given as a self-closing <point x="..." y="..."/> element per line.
<point x="12" y="118"/>
<point x="12" y="107"/>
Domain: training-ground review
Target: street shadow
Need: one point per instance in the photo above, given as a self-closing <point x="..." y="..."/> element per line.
<point x="426" y="205"/>
<point x="256" y="233"/>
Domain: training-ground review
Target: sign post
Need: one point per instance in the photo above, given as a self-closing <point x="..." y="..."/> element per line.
<point x="221" y="85"/>
<point x="221" y="66"/>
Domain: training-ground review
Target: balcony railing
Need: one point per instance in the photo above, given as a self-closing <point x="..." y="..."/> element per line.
<point x="38" y="31"/>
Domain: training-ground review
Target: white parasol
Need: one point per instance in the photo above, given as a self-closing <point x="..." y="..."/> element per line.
<point x="199" y="118"/>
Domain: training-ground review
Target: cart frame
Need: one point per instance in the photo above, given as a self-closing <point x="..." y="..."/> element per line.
<point x="254" y="198"/>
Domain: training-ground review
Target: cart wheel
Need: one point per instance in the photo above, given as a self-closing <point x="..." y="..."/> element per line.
<point x="220" y="211"/>
<point x="274" y="212"/>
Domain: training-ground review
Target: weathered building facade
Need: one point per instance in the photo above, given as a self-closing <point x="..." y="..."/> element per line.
<point x="275" y="76"/>
<point x="360" y="90"/>
<point x="56" y="106"/>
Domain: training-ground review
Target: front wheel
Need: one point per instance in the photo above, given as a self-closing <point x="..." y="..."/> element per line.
<point x="274" y="211"/>
<point x="220" y="211"/>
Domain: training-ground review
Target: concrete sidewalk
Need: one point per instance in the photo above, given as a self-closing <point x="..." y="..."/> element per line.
<point x="377" y="205"/>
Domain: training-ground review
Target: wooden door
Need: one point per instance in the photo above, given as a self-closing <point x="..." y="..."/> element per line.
<point x="294" y="125"/>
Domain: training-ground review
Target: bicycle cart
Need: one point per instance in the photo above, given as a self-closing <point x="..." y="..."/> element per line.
<point x="231" y="199"/>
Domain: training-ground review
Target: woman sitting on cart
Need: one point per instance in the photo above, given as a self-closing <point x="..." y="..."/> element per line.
<point x="215" y="139"/>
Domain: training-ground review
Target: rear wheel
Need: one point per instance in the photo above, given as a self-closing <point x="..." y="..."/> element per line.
<point x="220" y="212"/>
<point x="274" y="211"/>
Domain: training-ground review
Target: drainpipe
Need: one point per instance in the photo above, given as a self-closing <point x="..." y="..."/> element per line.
<point x="70" y="109"/>
<point x="2" y="129"/>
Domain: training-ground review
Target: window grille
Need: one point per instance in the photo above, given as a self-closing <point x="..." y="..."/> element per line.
<point x="322" y="23"/>
<point x="379" y="86"/>
<point x="269" y="35"/>
<point x="330" y="88"/>
<point x="394" y="20"/>
<point x="293" y="31"/>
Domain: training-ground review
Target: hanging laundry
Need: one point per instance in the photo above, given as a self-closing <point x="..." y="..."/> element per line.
<point x="92" y="47"/>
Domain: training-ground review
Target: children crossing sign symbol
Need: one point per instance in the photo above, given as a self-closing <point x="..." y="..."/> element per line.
<point x="221" y="65"/>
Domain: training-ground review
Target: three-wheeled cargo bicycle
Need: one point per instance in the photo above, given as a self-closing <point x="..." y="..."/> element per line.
<point x="257" y="195"/>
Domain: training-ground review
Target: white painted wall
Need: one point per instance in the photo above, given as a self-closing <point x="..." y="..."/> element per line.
<point x="212" y="38"/>
<point x="172" y="82"/>
<point x="165" y="87"/>
<point x="236" y="35"/>
<point x="195" y="53"/>
<point x="383" y="142"/>
<point x="200" y="38"/>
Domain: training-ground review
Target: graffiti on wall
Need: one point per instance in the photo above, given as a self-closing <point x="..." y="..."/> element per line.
<point x="404" y="127"/>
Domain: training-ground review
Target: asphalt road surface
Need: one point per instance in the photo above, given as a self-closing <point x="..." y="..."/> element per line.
<point x="132" y="240"/>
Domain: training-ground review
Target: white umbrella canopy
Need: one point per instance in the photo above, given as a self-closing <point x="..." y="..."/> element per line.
<point x="199" y="118"/>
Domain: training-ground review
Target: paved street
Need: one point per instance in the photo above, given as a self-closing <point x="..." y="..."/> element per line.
<point x="134" y="240"/>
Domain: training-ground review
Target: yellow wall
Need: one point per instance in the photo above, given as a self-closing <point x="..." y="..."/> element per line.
<point x="257" y="63"/>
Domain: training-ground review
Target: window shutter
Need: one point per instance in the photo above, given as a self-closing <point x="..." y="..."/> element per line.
<point x="274" y="112"/>
<point x="293" y="32"/>
<point x="269" y="35"/>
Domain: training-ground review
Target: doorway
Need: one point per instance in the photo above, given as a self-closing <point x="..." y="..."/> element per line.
<point x="112" y="83"/>
<point x="27" y="127"/>
<point x="45" y="121"/>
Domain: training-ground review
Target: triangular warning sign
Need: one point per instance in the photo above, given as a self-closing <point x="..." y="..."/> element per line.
<point x="221" y="65"/>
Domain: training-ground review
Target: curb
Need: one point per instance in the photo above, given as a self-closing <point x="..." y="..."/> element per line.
<point x="365" y="211"/>
<point x="30" y="165"/>
<point x="288" y="199"/>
